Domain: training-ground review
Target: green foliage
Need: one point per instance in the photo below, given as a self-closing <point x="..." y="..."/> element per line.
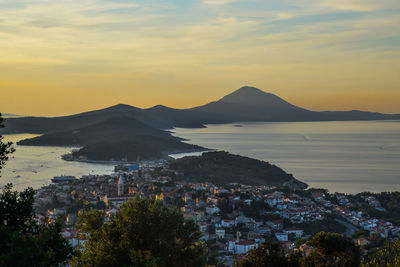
<point x="137" y="147"/>
<point x="331" y="249"/>
<point x="143" y="233"/>
<point x="5" y="148"/>
<point x="23" y="240"/>
<point x="90" y="221"/>
<point x="326" y="225"/>
<point x="222" y="168"/>
<point x="269" y="255"/>
<point x="359" y="234"/>
<point x="389" y="200"/>
<point x="387" y="256"/>
<point x="376" y="241"/>
<point x="253" y="210"/>
<point x="225" y="206"/>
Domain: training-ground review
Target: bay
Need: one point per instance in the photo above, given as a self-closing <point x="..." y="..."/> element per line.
<point x="349" y="157"/>
<point x="35" y="166"/>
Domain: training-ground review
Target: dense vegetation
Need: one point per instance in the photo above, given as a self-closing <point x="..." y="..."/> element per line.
<point x="5" y="148"/>
<point x="116" y="138"/>
<point x="390" y="201"/>
<point x="222" y="168"/>
<point x="386" y="256"/>
<point x="25" y="242"/>
<point x="330" y="250"/>
<point x="144" y="232"/>
<point x="328" y="224"/>
<point x="141" y="147"/>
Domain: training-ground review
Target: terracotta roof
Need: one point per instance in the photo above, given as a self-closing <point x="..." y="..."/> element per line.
<point x="245" y="242"/>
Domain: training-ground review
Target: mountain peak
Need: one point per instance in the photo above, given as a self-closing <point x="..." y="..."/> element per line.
<point x="249" y="95"/>
<point x="158" y="107"/>
<point x="121" y="107"/>
<point x="249" y="89"/>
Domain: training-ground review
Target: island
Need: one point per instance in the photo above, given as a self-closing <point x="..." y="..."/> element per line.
<point x="220" y="167"/>
<point x="116" y="139"/>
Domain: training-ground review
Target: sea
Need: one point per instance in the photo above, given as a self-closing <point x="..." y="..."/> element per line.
<point x="347" y="157"/>
<point x="35" y="166"/>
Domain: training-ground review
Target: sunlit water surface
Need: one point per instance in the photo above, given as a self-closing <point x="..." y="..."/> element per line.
<point x="348" y="157"/>
<point x="35" y="165"/>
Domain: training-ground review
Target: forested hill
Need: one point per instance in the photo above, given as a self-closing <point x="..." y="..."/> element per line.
<point x="116" y="138"/>
<point x="222" y="168"/>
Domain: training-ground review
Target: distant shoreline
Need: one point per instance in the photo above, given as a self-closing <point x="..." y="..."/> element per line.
<point x="110" y="162"/>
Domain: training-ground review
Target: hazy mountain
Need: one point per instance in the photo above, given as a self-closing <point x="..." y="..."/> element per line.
<point x="255" y="97"/>
<point x="185" y="118"/>
<point x="245" y="104"/>
<point x="252" y="104"/>
<point x="65" y="123"/>
<point x="160" y="117"/>
<point x="7" y="115"/>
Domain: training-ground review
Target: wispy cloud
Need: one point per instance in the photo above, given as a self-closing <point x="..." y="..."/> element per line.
<point x="218" y="2"/>
<point x="91" y="44"/>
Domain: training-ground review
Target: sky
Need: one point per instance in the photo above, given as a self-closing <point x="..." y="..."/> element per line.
<point x="68" y="56"/>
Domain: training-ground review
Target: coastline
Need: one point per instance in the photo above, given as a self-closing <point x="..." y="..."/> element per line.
<point x="315" y="170"/>
<point x="168" y="156"/>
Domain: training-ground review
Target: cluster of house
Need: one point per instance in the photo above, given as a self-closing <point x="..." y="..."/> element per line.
<point x="372" y="201"/>
<point x="218" y="211"/>
<point x="374" y="226"/>
<point x="295" y="208"/>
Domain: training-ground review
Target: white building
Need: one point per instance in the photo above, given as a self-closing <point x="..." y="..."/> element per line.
<point x="296" y="231"/>
<point x="227" y="223"/>
<point x="281" y="236"/>
<point x="220" y="233"/>
<point x="203" y="226"/>
<point x="243" y="246"/>
<point x="212" y="209"/>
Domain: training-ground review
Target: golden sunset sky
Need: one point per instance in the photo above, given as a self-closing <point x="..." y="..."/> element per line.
<point x="66" y="56"/>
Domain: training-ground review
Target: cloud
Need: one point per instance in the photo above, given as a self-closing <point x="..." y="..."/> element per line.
<point x="219" y="2"/>
<point x="131" y="43"/>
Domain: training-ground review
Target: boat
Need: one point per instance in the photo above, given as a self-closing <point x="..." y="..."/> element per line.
<point x="63" y="178"/>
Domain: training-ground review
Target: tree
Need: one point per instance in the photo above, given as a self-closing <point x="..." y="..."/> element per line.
<point x="5" y="148"/>
<point x="143" y="233"/>
<point x="331" y="249"/>
<point x="386" y="256"/>
<point x="271" y="255"/>
<point x="24" y="241"/>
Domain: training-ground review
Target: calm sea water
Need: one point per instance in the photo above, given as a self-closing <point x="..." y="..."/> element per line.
<point x="34" y="166"/>
<point x="348" y="157"/>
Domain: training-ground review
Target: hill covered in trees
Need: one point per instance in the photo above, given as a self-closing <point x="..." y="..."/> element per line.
<point x="222" y="168"/>
<point x="141" y="147"/>
<point x="116" y="138"/>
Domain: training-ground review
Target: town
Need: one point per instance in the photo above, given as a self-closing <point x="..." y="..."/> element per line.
<point x="233" y="218"/>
